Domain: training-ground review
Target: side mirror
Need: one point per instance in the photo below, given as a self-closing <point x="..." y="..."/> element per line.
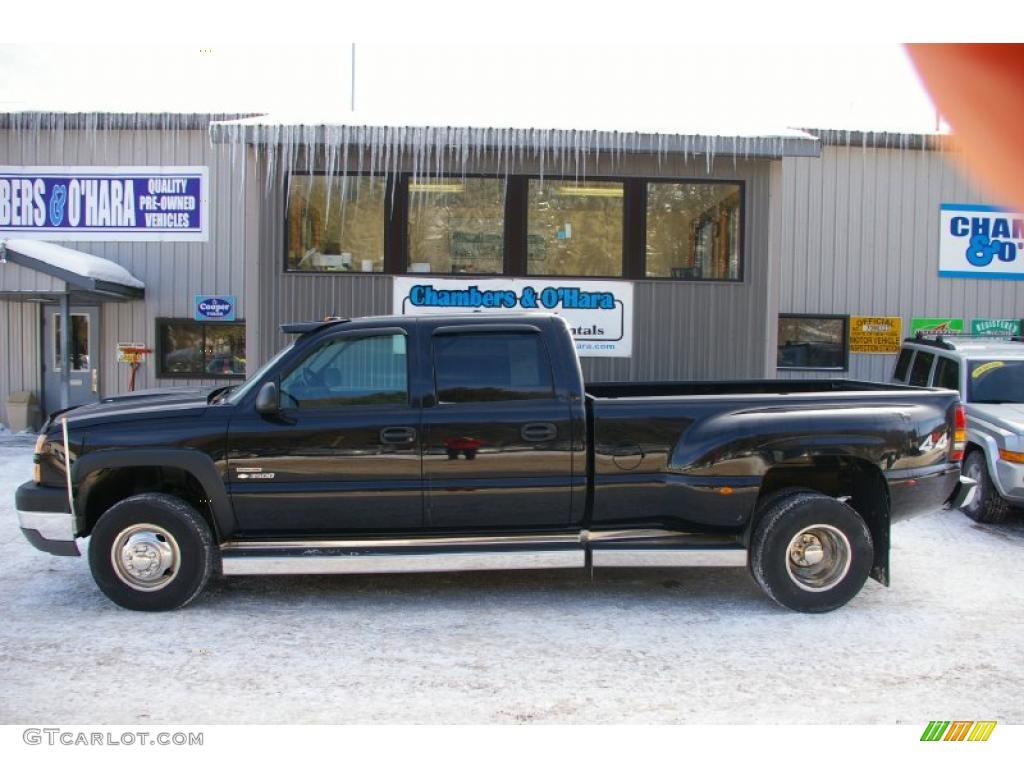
<point x="268" y="401"/>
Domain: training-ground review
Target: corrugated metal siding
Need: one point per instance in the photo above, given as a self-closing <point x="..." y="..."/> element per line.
<point x="19" y="333"/>
<point x="860" y="236"/>
<point x="681" y="330"/>
<point x="16" y="278"/>
<point x="172" y="272"/>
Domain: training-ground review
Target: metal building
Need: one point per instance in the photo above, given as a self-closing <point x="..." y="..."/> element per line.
<point x="721" y="256"/>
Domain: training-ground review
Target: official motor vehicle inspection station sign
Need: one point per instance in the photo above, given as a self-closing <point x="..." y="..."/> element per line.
<point x="92" y="203"/>
<point x="981" y="241"/>
<point x="600" y="312"/>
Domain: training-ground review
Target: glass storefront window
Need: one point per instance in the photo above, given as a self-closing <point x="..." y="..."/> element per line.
<point x="574" y="228"/>
<point x="456" y="226"/>
<point x="813" y="341"/>
<point x="693" y="231"/>
<point x="190" y="349"/>
<point x="336" y="223"/>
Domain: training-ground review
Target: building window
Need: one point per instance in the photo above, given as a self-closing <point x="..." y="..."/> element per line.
<point x="813" y="341"/>
<point x="574" y="228"/>
<point x="335" y="223"/>
<point x="188" y="349"/>
<point x="516" y="225"/>
<point x="693" y="231"/>
<point x="456" y="226"/>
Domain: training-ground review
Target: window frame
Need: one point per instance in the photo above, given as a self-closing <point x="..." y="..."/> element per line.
<point x="815" y="316"/>
<point x="163" y="322"/>
<point x="515" y="231"/>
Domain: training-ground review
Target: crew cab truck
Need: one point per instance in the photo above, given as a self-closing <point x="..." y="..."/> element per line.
<point x="470" y="442"/>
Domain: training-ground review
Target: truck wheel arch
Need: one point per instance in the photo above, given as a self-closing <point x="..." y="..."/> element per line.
<point x="193" y="463"/>
<point x="858" y="479"/>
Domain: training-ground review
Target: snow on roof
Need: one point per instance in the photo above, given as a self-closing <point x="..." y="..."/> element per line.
<point x="76" y="262"/>
<point x="601" y="122"/>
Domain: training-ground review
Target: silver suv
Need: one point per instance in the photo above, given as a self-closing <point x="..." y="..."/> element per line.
<point x="988" y="372"/>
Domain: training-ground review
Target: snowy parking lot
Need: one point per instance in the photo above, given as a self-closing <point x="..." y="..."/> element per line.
<point x="683" y="646"/>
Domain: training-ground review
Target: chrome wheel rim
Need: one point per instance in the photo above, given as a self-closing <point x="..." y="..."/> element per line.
<point x="818" y="558"/>
<point x="145" y="557"/>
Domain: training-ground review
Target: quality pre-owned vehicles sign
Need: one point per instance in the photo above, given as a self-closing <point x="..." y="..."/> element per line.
<point x="981" y="241"/>
<point x="105" y="203"/>
<point x="600" y="312"/>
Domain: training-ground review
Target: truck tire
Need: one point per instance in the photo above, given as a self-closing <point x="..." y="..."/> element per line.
<point x="987" y="506"/>
<point x="151" y="552"/>
<point x="810" y="552"/>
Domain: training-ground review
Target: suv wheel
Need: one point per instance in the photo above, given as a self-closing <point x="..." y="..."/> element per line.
<point x="810" y="552"/>
<point x="987" y="506"/>
<point x="151" y="552"/>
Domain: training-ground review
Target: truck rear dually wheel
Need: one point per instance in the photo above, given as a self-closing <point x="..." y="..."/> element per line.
<point x="151" y="552"/>
<point x="810" y="552"/>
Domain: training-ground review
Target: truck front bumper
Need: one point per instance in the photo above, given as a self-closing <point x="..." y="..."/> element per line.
<point x="45" y="519"/>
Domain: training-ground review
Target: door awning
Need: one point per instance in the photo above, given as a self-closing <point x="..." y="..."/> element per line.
<point x="82" y="274"/>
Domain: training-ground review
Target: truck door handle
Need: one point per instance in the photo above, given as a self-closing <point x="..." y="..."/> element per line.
<point x="398" y="435"/>
<point x="539" y="432"/>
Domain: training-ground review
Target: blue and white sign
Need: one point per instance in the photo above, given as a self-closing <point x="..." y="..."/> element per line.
<point x="214" y="307"/>
<point x="600" y="312"/>
<point x="981" y="241"/>
<point x="125" y="203"/>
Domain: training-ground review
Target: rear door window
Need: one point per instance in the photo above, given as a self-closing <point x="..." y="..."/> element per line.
<point x="483" y="367"/>
<point x="903" y="364"/>
<point x="921" y="368"/>
<point x="947" y="374"/>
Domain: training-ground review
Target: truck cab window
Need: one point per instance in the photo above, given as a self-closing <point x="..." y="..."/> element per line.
<point x="477" y="367"/>
<point x="349" y="370"/>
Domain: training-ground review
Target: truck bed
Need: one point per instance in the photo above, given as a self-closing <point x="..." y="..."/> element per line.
<point x="608" y="390"/>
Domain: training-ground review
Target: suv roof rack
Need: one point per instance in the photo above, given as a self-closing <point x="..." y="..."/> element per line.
<point x="313" y="325"/>
<point x="939" y="338"/>
<point x="930" y="339"/>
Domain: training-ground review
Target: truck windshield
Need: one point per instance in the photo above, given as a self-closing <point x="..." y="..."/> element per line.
<point x="996" y="381"/>
<point x="238" y="394"/>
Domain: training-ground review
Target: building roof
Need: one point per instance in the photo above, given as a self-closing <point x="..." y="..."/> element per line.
<point x="534" y="134"/>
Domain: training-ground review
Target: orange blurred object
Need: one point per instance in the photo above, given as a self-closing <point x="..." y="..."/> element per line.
<point x="978" y="89"/>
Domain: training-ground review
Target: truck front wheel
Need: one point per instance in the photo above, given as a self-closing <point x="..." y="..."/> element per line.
<point x="810" y="552"/>
<point x="151" y="552"/>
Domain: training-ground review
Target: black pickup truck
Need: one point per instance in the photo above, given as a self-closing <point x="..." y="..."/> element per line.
<point x="470" y="442"/>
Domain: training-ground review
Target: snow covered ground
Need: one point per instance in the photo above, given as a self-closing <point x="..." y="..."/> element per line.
<point x="686" y="646"/>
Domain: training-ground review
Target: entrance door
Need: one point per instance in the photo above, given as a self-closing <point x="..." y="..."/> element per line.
<point x="85" y="360"/>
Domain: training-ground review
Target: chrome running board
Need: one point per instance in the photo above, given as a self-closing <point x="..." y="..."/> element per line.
<point x="612" y="549"/>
